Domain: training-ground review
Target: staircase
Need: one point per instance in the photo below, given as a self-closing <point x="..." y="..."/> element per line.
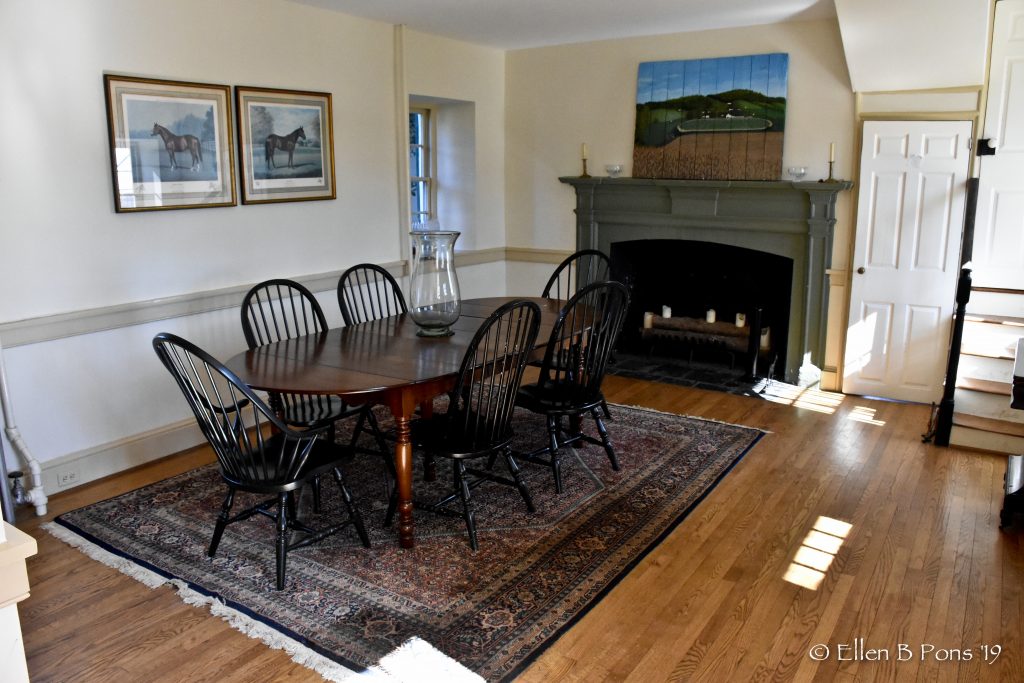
<point x="982" y="417"/>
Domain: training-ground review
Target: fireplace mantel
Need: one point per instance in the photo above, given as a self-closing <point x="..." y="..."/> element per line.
<point x="791" y="219"/>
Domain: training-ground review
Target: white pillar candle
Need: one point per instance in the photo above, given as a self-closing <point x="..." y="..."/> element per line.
<point x="666" y="312"/>
<point x="741" y="319"/>
<point x="648" y="320"/>
<point x="710" y="316"/>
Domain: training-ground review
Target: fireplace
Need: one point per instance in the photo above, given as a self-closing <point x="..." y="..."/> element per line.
<point x="691" y="278"/>
<point x="790" y="220"/>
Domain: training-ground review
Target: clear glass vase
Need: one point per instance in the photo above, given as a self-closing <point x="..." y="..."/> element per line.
<point x="434" y="300"/>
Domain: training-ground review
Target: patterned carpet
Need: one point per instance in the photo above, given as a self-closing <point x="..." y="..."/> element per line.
<point x="495" y="610"/>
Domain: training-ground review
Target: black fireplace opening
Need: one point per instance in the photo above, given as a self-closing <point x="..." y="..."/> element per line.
<point x="691" y="277"/>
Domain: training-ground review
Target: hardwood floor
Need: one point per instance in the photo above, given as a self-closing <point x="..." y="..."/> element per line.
<point x="923" y="565"/>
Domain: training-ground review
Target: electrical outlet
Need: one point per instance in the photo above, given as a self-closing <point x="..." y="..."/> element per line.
<point x="68" y="477"/>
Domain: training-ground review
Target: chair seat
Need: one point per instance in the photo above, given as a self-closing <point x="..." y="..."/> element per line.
<point x="433" y="435"/>
<point x="552" y="398"/>
<point x="324" y="456"/>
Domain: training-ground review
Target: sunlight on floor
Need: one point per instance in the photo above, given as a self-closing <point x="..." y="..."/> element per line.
<point x="865" y="415"/>
<point x="815" y="555"/>
<point x="803" y="397"/>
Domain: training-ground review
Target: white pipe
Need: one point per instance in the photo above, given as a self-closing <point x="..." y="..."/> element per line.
<point x="35" y="495"/>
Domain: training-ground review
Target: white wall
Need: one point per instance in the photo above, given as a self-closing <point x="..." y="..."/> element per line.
<point x="472" y="79"/>
<point x="64" y="249"/>
<point x="914" y="44"/>
<point x="98" y="402"/>
<point x="63" y="243"/>
<point x="560" y="97"/>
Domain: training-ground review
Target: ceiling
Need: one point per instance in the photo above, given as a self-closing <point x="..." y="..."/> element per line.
<point x="514" y="24"/>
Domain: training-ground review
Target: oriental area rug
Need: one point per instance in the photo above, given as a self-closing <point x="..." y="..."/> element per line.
<point x="345" y="607"/>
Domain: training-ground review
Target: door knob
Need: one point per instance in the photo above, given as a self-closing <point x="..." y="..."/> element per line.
<point x="860" y="271"/>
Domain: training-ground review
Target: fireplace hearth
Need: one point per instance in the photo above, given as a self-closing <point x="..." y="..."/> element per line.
<point x="769" y="228"/>
<point x="692" y="278"/>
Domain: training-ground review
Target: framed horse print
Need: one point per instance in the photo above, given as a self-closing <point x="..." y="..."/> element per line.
<point x="170" y="144"/>
<point x="285" y="144"/>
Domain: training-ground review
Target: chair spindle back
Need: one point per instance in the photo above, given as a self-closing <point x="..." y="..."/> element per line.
<point x="235" y="421"/>
<point x="279" y="309"/>
<point x="582" y="340"/>
<point x="368" y="292"/>
<point x="480" y="406"/>
<point x="576" y="272"/>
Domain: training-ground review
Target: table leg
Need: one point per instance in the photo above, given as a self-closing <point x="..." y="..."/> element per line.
<point x="403" y="472"/>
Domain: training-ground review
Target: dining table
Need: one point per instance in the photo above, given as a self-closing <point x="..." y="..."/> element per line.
<point x="380" y="362"/>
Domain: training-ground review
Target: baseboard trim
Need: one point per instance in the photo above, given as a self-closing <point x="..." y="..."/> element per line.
<point x="101" y="461"/>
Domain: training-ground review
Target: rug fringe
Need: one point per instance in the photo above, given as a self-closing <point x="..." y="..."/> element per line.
<point x="692" y="417"/>
<point x="414" y="660"/>
<point x="146" y="577"/>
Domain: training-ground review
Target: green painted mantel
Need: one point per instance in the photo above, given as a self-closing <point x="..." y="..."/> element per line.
<point x="791" y="219"/>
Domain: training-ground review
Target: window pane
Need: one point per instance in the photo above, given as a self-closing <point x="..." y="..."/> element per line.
<point x="415" y="203"/>
<point x="415" y="127"/>
<point x="416" y="160"/>
<point x="420" y="197"/>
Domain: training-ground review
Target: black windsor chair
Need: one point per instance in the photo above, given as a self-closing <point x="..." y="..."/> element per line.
<point x="582" y="268"/>
<point x="256" y="451"/>
<point x="575" y="359"/>
<point x="368" y="292"/>
<point x="478" y="420"/>
<point x="576" y="272"/>
<point x="278" y="310"/>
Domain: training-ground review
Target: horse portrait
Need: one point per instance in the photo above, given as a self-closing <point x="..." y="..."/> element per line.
<point x="285" y="143"/>
<point x="180" y="143"/>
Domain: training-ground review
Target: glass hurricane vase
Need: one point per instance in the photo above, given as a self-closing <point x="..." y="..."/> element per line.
<point x="434" y="300"/>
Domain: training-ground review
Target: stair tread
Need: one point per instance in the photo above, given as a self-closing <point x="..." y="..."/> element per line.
<point x="972" y="316"/>
<point x="985" y="303"/>
<point x="966" y="437"/>
<point x="988" y="412"/>
<point x="990" y="339"/>
<point x="984" y="367"/>
<point x="989" y="386"/>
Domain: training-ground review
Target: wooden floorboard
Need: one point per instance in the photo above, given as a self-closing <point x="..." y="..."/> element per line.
<point x="924" y="565"/>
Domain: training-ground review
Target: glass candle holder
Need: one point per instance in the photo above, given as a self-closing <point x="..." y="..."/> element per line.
<point x="434" y="299"/>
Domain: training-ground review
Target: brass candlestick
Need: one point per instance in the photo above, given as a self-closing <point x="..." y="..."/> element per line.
<point x="584" y="174"/>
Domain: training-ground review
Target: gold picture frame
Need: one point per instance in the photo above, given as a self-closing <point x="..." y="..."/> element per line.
<point x="171" y="144"/>
<point x="285" y="145"/>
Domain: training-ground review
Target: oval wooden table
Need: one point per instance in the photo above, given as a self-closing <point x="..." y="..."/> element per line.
<point x="382" y="361"/>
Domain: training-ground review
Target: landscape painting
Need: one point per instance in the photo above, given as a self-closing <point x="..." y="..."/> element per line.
<point x="711" y="119"/>
<point x="286" y="145"/>
<point x="170" y="144"/>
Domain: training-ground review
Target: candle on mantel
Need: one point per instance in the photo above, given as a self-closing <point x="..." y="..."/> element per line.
<point x="831" y="151"/>
<point x="666" y="311"/>
<point x="741" y="319"/>
<point x="710" y="316"/>
<point x="583" y="150"/>
<point x="648" y="320"/>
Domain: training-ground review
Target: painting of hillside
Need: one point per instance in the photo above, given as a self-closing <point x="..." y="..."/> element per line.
<point x="711" y="119"/>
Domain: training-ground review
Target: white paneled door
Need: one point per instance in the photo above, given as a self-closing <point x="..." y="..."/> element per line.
<point x="910" y="211"/>
<point x="998" y="256"/>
